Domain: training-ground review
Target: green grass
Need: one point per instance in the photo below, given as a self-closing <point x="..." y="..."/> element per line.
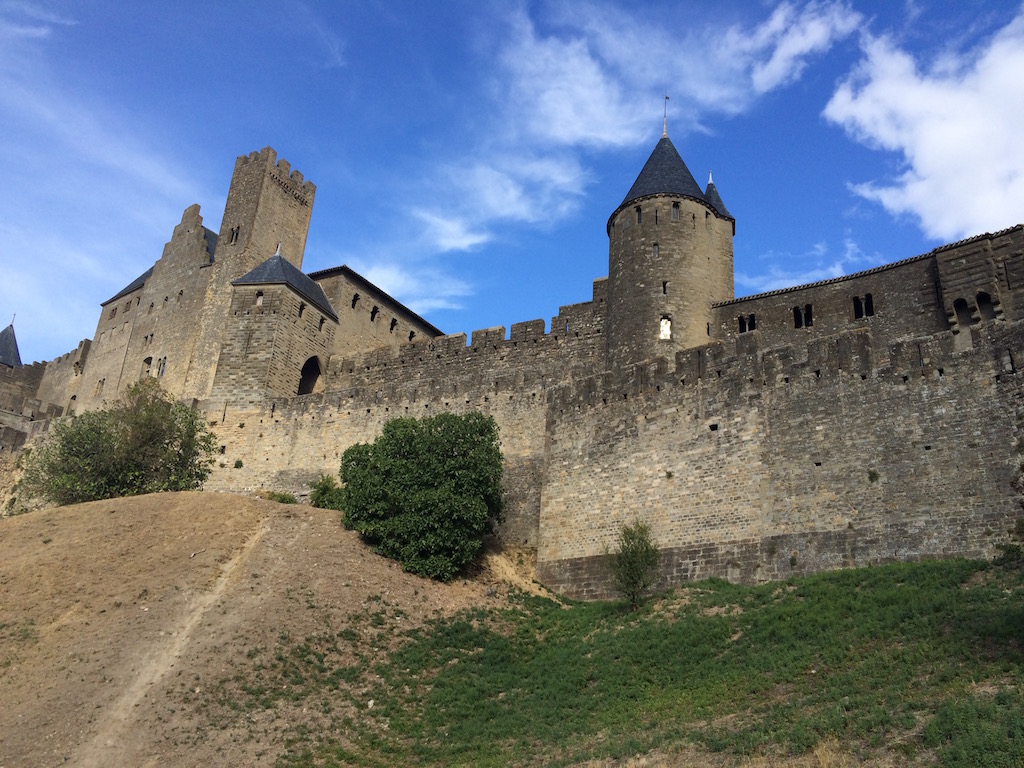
<point x="923" y="660"/>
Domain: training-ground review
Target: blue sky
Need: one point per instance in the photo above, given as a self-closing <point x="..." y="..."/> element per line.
<point x="467" y="155"/>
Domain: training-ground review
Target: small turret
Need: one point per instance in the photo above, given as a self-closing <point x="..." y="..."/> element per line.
<point x="669" y="260"/>
<point x="9" y="354"/>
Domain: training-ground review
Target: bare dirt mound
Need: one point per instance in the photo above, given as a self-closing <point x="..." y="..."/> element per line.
<point x="114" y="615"/>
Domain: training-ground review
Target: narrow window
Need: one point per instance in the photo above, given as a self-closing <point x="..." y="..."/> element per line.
<point x="259" y="298"/>
<point x="751" y="323"/>
<point x="147" y="367"/>
<point x="963" y="313"/>
<point x="675" y="211"/>
<point x="655" y="248"/>
<point x="394" y="322"/>
<point x="99" y="387"/>
<point x="639" y="215"/>
<point x="113" y="312"/>
<point x="808" y="316"/>
<point x="355" y="300"/>
<point x="128" y="306"/>
<point x="858" y="308"/>
<point x="163" y="366"/>
<point x="666" y="328"/>
<point x="743" y="324"/>
<point x="655" y="216"/>
<point x="986" y="309"/>
<point x="869" y="305"/>
<point x="412" y="335"/>
<point x="321" y="326"/>
<point x="664" y="287"/>
<point x="234" y="235"/>
<point x="150" y="309"/>
<point x="302" y="308"/>
<point x="373" y="313"/>
<point x="798" y="318"/>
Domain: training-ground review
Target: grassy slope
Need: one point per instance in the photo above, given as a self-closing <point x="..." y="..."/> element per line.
<point x="907" y="664"/>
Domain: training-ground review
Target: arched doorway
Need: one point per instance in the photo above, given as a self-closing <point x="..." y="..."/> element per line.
<point x="310" y="376"/>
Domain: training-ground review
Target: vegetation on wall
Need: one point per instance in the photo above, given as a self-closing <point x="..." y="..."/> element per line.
<point x="145" y="442"/>
<point x="634" y="563"/>
<point x="425" y="493"/>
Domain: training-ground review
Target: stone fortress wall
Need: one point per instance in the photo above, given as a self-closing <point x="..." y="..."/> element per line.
<point x="858" y="420"/>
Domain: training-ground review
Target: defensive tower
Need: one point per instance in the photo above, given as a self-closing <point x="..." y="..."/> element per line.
<point x="268" y="204"/>
<point x="669" y="260"/>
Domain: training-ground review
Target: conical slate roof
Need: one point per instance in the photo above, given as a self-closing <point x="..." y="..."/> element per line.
<point x="279" y="271"/>
<point x="664" y="173"/>
<point x="715" y="200"/>
<point x="9" y="348"/>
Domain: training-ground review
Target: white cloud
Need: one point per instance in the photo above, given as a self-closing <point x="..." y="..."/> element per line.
<point x="816" y="264"/>
<point x="590" y="80"/>
<point x="595" y="83"/>
<point x="448" y="233"/>
<point x="956" y="127"/>
<point x="422" y="288"/>
<point x="789" y="37"/>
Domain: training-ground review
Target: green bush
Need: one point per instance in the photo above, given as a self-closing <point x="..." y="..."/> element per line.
<point x="144" y="443"/>
<point x="326" y="493"/>
<point x="425" y="493"/>
<point x="281" y="497"/>
<point x="635" y="562"/>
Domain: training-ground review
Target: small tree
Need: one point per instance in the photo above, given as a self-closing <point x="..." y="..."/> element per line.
<point x="145" y="442"/>
<point x="635" y="562"/>
<point x="425" y="493"/>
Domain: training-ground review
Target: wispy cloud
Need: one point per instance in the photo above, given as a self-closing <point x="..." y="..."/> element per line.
<point x="818" y="263"/>
<point x="586" y="80"/>
<point x="423" y="288"/>
<point x="955" y="127"/>
<point x="84" y="157"/>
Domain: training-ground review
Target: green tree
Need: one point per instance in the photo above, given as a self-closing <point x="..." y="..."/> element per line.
<point x="425" y="493"/>
<point x="145" y="442"/>
<point x="635" y="562"/>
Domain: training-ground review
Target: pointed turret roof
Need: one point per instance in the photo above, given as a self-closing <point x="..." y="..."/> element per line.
<point x="715" y="200"/>
<point x="9" y="348"/>
<point x="664" y="173"/>
<point x="279" y="271"/>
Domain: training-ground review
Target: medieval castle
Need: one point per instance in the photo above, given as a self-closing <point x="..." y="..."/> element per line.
<point x="858" y="420"/>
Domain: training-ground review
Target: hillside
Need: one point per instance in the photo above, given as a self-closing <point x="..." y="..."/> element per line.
<point x="190" y="629"/>
<point x="112" y="610"/>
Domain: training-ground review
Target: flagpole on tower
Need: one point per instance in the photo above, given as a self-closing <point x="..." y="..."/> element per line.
<point x="664" y="124"/>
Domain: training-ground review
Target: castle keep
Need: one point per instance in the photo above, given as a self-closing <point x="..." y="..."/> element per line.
<point x="864" y="419"/>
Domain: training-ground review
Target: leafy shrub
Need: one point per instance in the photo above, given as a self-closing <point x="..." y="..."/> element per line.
<point x="425" y="493"/>
<point x="635" y="562"/>
<point x="144" y="443"/>
<point x="326" y="493"/>
<point x="281" y="497"/>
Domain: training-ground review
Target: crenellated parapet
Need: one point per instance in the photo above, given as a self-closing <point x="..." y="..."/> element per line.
<point x="291" y="181"/>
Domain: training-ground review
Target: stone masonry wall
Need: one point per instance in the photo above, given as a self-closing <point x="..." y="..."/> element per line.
<point x="766" y="463"/>
<point x="368" y="317"/>
<point x="63" y="375"/>
<point x="267" y="343"/>
<point x="286" y="444"/>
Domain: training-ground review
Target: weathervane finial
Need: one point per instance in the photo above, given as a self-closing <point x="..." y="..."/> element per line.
<point x="664" y="124"/>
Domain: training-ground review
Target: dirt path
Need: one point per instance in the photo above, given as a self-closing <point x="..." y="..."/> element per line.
<point x="117" y="616"/>
<point x="108" y="745"/>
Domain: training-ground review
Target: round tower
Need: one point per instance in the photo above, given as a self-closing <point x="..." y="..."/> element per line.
<point x="669" y="260"/>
